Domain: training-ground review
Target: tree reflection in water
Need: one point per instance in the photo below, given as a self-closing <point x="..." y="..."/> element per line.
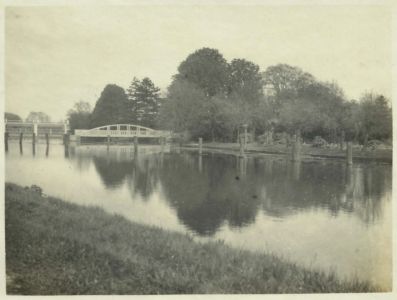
<point x="211" y="190"/>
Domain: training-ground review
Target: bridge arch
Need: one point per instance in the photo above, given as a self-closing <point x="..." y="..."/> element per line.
<point x="128" y="127"/>
<point x="121" y="130"/>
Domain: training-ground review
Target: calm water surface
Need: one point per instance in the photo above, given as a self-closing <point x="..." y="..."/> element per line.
<point x="320" y="214"/>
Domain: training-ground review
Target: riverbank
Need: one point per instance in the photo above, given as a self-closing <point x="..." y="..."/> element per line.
<point x="54" y="247"/>
<point x="308" y="152"/>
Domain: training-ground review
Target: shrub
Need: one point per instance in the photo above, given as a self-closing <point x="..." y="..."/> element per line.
<point x="319" y="142"/>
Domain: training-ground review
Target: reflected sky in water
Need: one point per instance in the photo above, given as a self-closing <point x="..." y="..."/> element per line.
<point x="322" y="214"/>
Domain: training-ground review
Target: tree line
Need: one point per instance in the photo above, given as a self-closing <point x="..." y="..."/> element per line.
<point x="34" y="116"/>
<point x="212" y="98"/>
<point x="139" y="105"/>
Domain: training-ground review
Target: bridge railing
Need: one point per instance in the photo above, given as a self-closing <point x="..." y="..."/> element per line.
<point x="14" y="128"/>
<point x="120" y="133"/>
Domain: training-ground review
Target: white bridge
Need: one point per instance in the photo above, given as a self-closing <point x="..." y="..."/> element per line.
<point x="122" y="130"/>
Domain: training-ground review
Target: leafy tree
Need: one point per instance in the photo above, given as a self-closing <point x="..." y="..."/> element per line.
<point x="246" y="92"/>
<point x="301" y="104"/>
<point x="282" y="83"/>
<point x="350" y="120"/>
<point x="325" y="103"/>
<point x="212" y="99"/>
<point x="196" y="93"/>
<point x="302" y="117"/>
<point x="12" y="117"/>
<point x="179" y="110"/>
<point x="80" y="116"/>
<point x="38" y="117"/>
<point x="111" y="107"/>
<point x="215" y="119"/>
<point x="207" y="69"/>
<point x="283" y="78"/>
<point x="144" y="100"/>
<point x="375" y="117"/>
<point x="188" y="110"/>
<point x="245" y="80"/>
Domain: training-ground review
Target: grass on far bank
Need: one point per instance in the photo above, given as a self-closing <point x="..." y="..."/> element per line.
<point x="54" y="247"/>
<point x="307" y="150"/>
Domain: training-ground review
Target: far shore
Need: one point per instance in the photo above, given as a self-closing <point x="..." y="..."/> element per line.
<point x="308" y="152"/>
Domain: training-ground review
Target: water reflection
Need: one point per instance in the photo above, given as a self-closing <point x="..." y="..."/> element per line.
<point x="320" y="213"/>
<point x="66" y="148"/>
<point x="211" y="190"/>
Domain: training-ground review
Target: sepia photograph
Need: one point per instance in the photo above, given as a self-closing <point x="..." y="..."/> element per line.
<point x="217" y="148"/>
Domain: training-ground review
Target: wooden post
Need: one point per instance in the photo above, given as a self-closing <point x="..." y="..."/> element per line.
<point x="65" y="127"/>
<point x="108" y="140"/>
<point x="243" y="166"/>
<point x="66" y="150"/>
<point x="47" y="139"/>
<point x="200" y="163"/>
<point x="342" y="140"/>
<point x="6" y="135"/>
<point x="296" y="170"/>
<point x="21" y="142"/>
<point x="135" y="144"/>
<point x="245" y="137"/>
<point x="35" y="128"/>
<point x="349" y="182"/>
<point x="34" y="143"/>
<point x="200" y="146"/>
<point x="296" y="150"/>
<point x="162" y="140"/>
<point x="66" y="139"/>
<point x="180" y="140"/>
<point x="66" y="144"/>
<point x="349" y="153"/>
<point x="242" y="154"/>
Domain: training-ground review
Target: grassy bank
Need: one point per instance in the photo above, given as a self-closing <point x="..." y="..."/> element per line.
<point x="383" y="155"/>
<point x="53" y="247"/>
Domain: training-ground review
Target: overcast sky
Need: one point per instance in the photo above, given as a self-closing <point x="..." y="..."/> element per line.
<point x="56" y="56"/>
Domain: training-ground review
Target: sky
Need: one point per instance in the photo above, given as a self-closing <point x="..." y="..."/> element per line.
<point x="56" y="56"/>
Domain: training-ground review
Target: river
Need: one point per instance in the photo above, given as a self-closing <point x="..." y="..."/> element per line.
<point x="320" y="214"/>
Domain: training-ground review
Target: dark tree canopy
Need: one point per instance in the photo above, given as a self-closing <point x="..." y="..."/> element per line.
<point x="245" y="81"/>
<point x="80" y="116"/>
<point x="179" y="110"/>
<point x="212" y="99"/>
<point x="144" y="101"/>
<point x="111" y="107"/>
<point x="285" y="78"/>
<point x="38" y="117"/>
<point x="376" y="117"/>
<point x="12" y="117"/>
<point x="207" y="69"/>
